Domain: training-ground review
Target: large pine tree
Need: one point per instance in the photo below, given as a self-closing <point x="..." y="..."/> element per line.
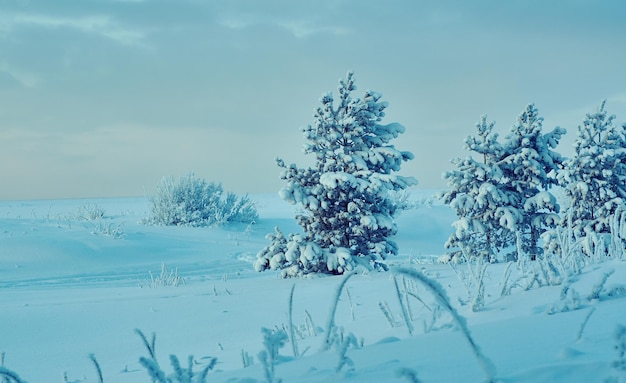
<point x="529" y="167"/>
<point x="477" y="197"/>
<point x="347" y="216"/>
<point x="594" y="178"/>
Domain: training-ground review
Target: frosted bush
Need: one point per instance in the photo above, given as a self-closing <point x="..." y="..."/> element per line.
<point x="195" y="202"/>
<point x="89" y="211"/>
<point x="167" y="278"/>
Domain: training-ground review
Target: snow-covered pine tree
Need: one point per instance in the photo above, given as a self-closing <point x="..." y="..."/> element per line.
<point x="347" y="216"/>
<point x="529" y="167"/>
<point x="475" y="195"/>
<point x="594" y="178"/>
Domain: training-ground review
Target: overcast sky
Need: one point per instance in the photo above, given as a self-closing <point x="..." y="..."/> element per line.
<point x="103" y="98"/>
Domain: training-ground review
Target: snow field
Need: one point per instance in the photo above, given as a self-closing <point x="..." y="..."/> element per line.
<point x="67" y="291"/>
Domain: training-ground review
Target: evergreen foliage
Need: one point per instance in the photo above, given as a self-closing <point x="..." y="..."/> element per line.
<point x="594" y="178"/>
<point x="477" y="197"/>
<point x="503" y="197"/>
<point x="347" y="216"/>
<point x="529" y="168"/>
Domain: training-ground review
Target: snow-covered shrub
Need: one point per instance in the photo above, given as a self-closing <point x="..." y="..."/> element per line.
<point x="195" y="202"/>
<point x="108" y="229"/>
<point x="93" y="218"/>
<point x="403" y="201"/>
<point x="347" y="213"/>
<point x="167" y="278"/>
<point x="599" y="287"/>
<point x="472" y="273"/>
<point x="88" y="211"/>
<point x="569" y="300"/>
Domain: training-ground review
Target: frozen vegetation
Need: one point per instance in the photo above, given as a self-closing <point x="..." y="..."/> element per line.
<point x="193" y="201"/>
<point x="493" y="280"/>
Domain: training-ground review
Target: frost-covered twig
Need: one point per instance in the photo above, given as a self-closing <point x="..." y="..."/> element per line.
<point x="292" y="333"/>
<point x="409" y="374"/>
<point x="273" y="342"/>
<point x="435" y="314"/>
<point x="154" y="371"/>
<point x="473" y="279"/>
<point x="620" y="346"/>
<point x="150" y="346"/>
<point x="599" y="287"/>
<point x="350" y="302"/>
<point x="569" y="300"/>
<point x="405" y="314"/>
<point x="10" y="376"/>
<point x="330" y="323"/>
<point x="584" y="324"/>
<point x="505" y="286"/>
<point x="442" y="297"/>
<point x="93" y="359"/>
<point x="384" y="308"/>
<point x="246" y="359"/>
<point x="310" y="324"/>
<point x="180" y="375"/>
<point x="342" y="344"/>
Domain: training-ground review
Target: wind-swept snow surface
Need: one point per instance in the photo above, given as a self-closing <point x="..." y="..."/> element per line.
<point x="73" y="285"/>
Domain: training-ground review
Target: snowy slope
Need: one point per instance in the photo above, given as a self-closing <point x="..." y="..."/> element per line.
<point x="70" y="288"/>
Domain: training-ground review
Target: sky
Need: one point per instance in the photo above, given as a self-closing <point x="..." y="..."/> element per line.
<point x="103" y="98"/>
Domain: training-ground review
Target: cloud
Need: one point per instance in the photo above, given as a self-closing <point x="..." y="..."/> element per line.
<point x="303" y="29"/>
<point x="26" y="79"/>
<point x="299" y="28"/>
<point x="100" y="25"/>
<point x="301" y="20"/>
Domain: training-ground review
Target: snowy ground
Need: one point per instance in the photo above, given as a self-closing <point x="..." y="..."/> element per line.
<point x="70" y="288"/>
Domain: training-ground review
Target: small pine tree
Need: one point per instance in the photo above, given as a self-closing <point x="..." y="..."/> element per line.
<point x="347" y="215"/>
<point x="477" y="197"/>
<point x="529" y="167"/>
<point x="594" y="178"/>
